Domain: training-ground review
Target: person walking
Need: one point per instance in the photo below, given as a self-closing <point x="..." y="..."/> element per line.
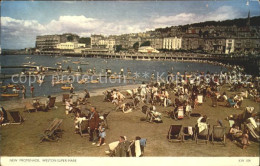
<point x="102" y="134"/>
<point x="93" y="125"/>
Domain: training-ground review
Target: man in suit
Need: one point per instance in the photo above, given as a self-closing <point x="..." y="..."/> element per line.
<point x="93" y="124"/>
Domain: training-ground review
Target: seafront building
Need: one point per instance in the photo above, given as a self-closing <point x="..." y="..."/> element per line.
<point x="50" y="42"/>
<point x="230" y="46"/>
<point x="172" y="43"/>
<point x="107" y="43"/>
<point x="70" y="45"/>
<point x="211" y="39"/>
<point x="95" y="39"/>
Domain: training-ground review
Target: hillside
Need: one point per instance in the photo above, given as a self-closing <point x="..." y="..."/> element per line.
<point x="254" y="21"/>
<point x="240" y="22"/>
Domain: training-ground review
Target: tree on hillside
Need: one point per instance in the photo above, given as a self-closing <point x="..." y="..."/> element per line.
<point x="118" y="48"/>
<point x="85" y="40"/>
<point x="70" y="38"/>
<point x="146" y="43"/>
<point x="136" y="45"/>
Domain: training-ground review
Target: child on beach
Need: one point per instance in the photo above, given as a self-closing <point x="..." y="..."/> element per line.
<point x="102" y="135"/>
<point x="245" y="139"/>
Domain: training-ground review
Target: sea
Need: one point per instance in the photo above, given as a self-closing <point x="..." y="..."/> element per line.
<point x="140" y="69"/>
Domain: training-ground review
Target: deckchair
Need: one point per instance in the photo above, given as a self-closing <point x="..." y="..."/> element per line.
<point x="112" y="148"/>
<point x="188" y="133"/>
<point x="29" y="107"/>
<point x="179" y="114"/>
<point x="252" y="131"/>
<point x="200" y="99"/>
<point x="175" y="133"/>
<point x="4" y="114"/>
<point x="203" y="135"/>
<point x="53" y="132"/>
<point x="17" y="118"/>
<point x="65" y="97"/>
<point x="83" y="128"/>
<point x="218" y="133"/>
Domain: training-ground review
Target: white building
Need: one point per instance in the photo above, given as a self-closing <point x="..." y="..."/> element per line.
<point x="147" y="49"/>
<point x="70" y="45"/>
<point x="108" y="43"/>
<point x="172" y="43"/>
<point x="230" y="46"/>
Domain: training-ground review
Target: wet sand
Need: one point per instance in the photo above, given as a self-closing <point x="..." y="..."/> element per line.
<point x="24" y="139"/>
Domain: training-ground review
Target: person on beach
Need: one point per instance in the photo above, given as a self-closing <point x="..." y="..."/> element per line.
<point x="47" y="104"/>
<point x="93" y="124"/>
<point x="143" y="90"/>
<point x="202" y="123"/>
<point x="32" y="90"/>
<point x="245" y="139"/>
<point x="77" y="121"/>
<point x="115" y="99"/>
<point x="102" y="135"/>
<point x="119" y="148"/>
<point x="68" y="105"/>
<point x="122" y="148"/>
<point x="232" y="103"/>
<point x="86" y="95"/>
<point x="238" y="99"/>
<point x="235" y="133"/>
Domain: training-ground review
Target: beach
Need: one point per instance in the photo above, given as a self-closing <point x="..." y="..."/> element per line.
<point x="24" y="139"/>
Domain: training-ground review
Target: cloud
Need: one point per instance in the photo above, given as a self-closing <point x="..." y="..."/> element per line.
<point x="222" y="13"/>
<point x="18" y="26"/>
<point x="181" y="18"/>
<point x="17" y="33"/>
<point x="22" y="33"/>
<point x="76" y="24"/>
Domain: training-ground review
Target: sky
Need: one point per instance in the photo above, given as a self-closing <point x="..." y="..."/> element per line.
<point x="22" y="21"/>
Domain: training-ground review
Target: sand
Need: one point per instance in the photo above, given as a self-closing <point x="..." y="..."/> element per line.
<point x="24" y="139"/>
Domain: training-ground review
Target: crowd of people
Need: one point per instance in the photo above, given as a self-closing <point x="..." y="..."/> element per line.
<point x="181" y="95"/>
<point x="190" y="93"/>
